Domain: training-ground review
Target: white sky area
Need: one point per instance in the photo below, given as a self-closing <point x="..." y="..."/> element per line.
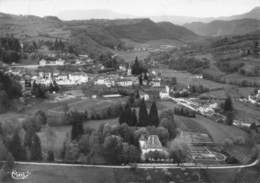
<point x="197" y="8"/>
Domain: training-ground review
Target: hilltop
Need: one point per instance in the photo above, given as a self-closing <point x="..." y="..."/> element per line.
<point x="221" y="27"/>
<point x="92" y="36"/>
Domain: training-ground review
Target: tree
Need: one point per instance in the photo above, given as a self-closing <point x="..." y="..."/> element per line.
<point x="113" y="149"/>
<point x="38" y="90"/>
<point x="12" y="88"/>
<point x="179" y="151"/>
<point x="228" y="110"/>
<point x="122" y="117"/>
<point x="77" y="125"/>
<point x="131" y="100"/>
<point x="40" y="118"/>
<point x="125" y="132"/>
<point x="5" y="102"/>
<point x="72" y="152"/>
<point x="153" y="115"/>
<point x="167" y="121"/>
<point x="228" y="105"/>
<point x="229" y="118"/>
<point x="140" y="78"/>
<point x="16" y="148"/>
<point x="130" y="153"/>
<point x="170" y="126"/>
<point x="36" y="150"/>
<point x="126" y="115"/>
<point x="134" y="118"/>
<point x="84" y="144"/>
<point x="50" y="156"/>
<point x="143" y="115"/>
<point x="136" y="67"/>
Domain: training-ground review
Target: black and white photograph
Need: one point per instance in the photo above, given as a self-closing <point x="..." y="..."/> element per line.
<point x="129" y="91"/>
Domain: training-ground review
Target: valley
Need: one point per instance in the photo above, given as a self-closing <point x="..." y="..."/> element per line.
<point x="132" y="100"/>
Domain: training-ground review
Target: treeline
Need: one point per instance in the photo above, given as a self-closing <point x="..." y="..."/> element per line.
<point x="113" y="144"/>
<point x="144" y="118"/>
<point x="9" y="90"/>
<point x="23" y="141"/>
<point x="189" y="64"/>
<point x="138" y="68"/>
<point x="183" y="111"/>
<point x="110" y="61"/>
<point x="198" y="89"/>
<point x="10" y="49"/>
<point x="128" y="115"/>
<point x="233" y="81"/>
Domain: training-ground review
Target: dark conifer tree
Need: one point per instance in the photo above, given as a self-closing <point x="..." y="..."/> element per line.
<point x="77" y="125"/>
<point x="122" y="117"/>
<point x="140" y="80"/>
<point x="153" y="115"/>
<point x="50" y="156"/>
<point x="134" y="118"/>
<point x="128" y="114"/>
<point x="143" y="115"/>
<point x="36" y="150"/>
<point x="228" y="105"/>
<point x="16" y="148"/>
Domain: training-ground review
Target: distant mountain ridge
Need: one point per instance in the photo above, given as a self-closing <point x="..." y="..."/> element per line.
<point x="91" y="36"/>
<point x="181" y="20"/>
<point x="222" y="28"/>
<point x="92" y="14"/>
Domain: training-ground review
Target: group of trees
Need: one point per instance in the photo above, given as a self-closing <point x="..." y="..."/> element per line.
<point x="198" y="89"/>
<point x="25" y="144"/>
<point x="183" y="111"/>
<point x="9" y="90"/>
<point x="10" y="49"/>
<point x="40" y="91"/>
<point x="58" y="44"/>
<point x="112" y="145"/>
<point x="179" y="151"/>
<point x="76" y="121"/>
<point x="129" y="116"/>
<point x="189" y="64"/>
<point x="109" y="61"/>
<point x="138" y="68"/>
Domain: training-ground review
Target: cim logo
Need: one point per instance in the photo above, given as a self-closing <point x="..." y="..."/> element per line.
<point x="20" y="175"/>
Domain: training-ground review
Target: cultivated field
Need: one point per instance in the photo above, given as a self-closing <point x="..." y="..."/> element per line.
<point x="186" y="78"/>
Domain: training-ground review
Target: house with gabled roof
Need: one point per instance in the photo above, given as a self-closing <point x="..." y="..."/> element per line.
<point x="151" y="144"/>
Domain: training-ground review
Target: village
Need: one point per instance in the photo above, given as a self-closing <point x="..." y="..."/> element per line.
<point x="56" y="81"/>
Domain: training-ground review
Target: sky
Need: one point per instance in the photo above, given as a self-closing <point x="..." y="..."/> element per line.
<point x="196" y="8"/>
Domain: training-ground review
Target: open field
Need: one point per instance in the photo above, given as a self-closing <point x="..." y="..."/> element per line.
<point x="129" y="56"/>
<point x="142" y="50"/>
<point x="247" y="112"/>
<point x="219" y="132"/>
<point x="186" y="78"/>
<point x="89" y="104"/>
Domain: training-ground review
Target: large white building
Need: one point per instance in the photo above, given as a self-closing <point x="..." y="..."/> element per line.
<point x="44" y="62"/>
<point x="151" y="144"/>
<point x="61" y="79"/>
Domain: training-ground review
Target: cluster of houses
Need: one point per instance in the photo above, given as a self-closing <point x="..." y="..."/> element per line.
<point x="207" y="109"/>
<point x="62" y="79"/>
<point x="254" y="99"/>
<point x="116" y="80"/>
